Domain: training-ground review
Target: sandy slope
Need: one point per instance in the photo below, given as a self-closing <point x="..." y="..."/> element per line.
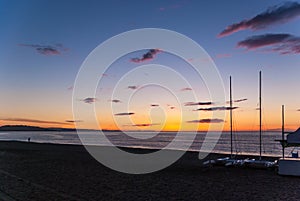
<point x="30" y="171"/>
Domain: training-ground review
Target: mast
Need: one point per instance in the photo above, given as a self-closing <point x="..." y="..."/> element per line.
<point x="282" y="110"/>
<point x="231" y="150"/>
<point x="260" y="115"/>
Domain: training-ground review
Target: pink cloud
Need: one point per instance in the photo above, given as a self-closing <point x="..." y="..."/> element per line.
<point x="186" y="89"/>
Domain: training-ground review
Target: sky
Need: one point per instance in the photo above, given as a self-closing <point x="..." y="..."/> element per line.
<point x="44" y="44"/>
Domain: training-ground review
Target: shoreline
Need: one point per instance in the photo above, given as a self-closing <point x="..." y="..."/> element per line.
<point x="40" y="171"/>
<point x="5" y="144"/>
<point x="241" y="154"/>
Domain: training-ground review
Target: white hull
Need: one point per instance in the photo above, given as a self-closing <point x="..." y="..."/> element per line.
<point x="289" y="166"/>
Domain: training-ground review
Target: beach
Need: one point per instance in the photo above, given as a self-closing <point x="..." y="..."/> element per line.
<point x="39" y="171"/>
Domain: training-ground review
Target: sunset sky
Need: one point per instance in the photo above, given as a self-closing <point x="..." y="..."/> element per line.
<point x="44" y="43"/>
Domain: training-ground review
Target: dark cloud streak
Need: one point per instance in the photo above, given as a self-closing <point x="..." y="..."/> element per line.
<point x="35" y="121"/>
<point x="148" y="56"/>
<point x="144" y="125"/>
<point x="186" y="89"/>
<point x="206" y="121"/>
<point x="73" y="121"/>
<point x="124" y="114"/>
<point x="132" y="87"/>
<point x="238" y="100"/>
<point x="89" y="100"/>
<point x="274" y="15"/>
<point x="197" y="103"/>
<point x="280" y="43"/>
<point x="216" y="108"/>
<point x="115" y="101"/>
<point x="46" y="49"/>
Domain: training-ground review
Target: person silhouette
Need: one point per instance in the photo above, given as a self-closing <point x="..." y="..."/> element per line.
<point x="28" y="139"/>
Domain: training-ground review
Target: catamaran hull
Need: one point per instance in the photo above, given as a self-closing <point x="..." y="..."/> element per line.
<point x="289" y="166"/>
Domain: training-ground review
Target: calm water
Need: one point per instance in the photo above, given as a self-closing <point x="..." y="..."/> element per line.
<point x="244" y="142"/>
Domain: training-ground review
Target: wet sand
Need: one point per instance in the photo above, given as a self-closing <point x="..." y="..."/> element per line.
<point x="32" y="171"/>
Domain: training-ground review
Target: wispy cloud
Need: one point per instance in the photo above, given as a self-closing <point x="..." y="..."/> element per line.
<point x="125" y="114"/>
<point x="171" y="107"/>
<point x="73" y="121"/>
<point x="148" y="56"/>
<point x="238" y="100"/>
<point x="280" y="43"/>
<point x="274" y="15"/>
<point x="46" y="49"/>
<point x="144" y="125"/>
<point x="206" y="121"/>
<point x="115" y="101"/>
<point x="70" y="88"/>
<point x="132" y="87"/>
<point x="216" y="108"/>
<point x="221" y="56"/>
<point x="176" y="5"/>
<point x="89" y="100"/>
<point x="186" y="89"/>
<point x="298" y="110"/>
<point x="197" y="103"/>
<point x="34" y="121"/>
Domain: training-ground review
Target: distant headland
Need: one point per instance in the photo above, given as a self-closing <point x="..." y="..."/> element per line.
<point x="36" y="128"/>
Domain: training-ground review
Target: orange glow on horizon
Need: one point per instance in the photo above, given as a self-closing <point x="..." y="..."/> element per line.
<point x="243" y="121"/>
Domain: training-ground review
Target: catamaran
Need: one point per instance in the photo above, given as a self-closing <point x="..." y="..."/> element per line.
<point x="289" y="165"/>
<point x="253" y="162"/>
<point x="230" y="161"/>
<point x="227" y="161"/>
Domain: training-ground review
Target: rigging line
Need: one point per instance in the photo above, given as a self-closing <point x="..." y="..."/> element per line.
<point x="236" y="138"/>
<point x="253" y="121"/>
<point x="235" y="134"/>
<point x="265" y="127"/>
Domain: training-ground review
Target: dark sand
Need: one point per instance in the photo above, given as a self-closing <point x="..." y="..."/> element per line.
<point x="31" y="171"/>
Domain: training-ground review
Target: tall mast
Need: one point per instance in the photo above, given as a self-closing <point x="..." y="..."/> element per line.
<point x="282" y="110"/>
<point x="259" y="115"/>
<point x="231" y="151"/>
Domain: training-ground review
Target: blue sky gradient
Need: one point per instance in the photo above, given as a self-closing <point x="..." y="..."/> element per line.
<point x="44" y="43"/>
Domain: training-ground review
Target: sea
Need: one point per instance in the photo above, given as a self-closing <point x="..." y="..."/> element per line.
<point x="244" y="143"/>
